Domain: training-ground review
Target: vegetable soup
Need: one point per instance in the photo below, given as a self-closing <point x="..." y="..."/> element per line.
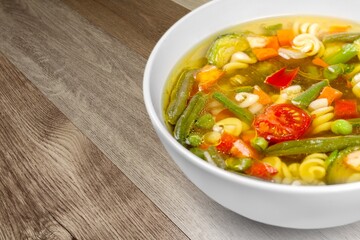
<point x="274" y="99"/>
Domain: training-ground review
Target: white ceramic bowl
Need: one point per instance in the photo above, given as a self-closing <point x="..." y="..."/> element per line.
<point x="275" y="204"/>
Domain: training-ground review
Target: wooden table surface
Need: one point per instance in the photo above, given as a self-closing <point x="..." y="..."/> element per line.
<point x="79" y="158"/>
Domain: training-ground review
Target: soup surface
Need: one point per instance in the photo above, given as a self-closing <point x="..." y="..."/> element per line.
<point x="275" y="99"/>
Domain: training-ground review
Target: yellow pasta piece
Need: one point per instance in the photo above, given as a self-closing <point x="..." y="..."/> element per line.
<point x="312" y="169"/>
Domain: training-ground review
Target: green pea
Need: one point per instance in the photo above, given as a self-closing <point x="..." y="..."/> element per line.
<point x="194" y="140"/>
<point x="341" y="126"/>
<point x="206" y="121"/>
<point x="259" y="143"/>
<point x="238" y="164"/>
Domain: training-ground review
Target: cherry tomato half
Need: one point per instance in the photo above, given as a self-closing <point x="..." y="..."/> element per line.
<point x="282" y="122"/>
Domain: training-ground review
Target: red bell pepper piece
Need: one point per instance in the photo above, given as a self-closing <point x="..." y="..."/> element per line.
<point x="226" y="143"/>
<point x="346" y="108"/>
<point x="262" y="170"/>
<point x="282" y="78"/>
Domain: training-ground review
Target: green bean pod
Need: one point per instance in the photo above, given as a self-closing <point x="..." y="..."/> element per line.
<point x="243" y="114"/>
<point x="341" y="37"/>
<point x="179" y="96"/>
<point x="215" y="156"/>
<point x="312" y="145"/>
<point x="304" y="99"/>
<point x="346" y="53"/>
<point x="187" y="119"/>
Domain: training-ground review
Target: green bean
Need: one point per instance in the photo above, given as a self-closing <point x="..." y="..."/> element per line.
<point x="312" y="145"/>
<point x="346" y="53"/>
<point x="331" y="158"/>
<point x="259" y="143"/>
<point x="243" y="114"/>
<point x="187" y="119"/>
<point x="215" y="156"/>
<point x="355" y="122"/>
<point x="334" y="71"/>
<point x="341" y="37"/>
<point x="198" y="152"/>
<point x="179" y="96"/>
<point x="305" y="98"/>
<point x="244" y="89"/>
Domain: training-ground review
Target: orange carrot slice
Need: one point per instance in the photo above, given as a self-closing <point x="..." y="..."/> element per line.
<point x="319" y="62"/>
<point x="285" y="37"/>
<point x="264" y="98"/>
<point x="331" y="94"/>
<point x="264" y="53"/>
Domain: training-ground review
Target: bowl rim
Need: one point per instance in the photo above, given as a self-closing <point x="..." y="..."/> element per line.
<point x="238" y="179"/>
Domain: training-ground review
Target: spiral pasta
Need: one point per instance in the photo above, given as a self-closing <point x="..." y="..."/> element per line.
<point x="311" y="28"/>
<point x="308" y="44"/>
<point x="238" y="60"/>
<point x="323" y="114"/>
<point x="287" y="94"/>
<point x="249" y="101"/>
<point x="312" y="169"/>
<point x="355" y="82"/>
<point x="285" y="175"/>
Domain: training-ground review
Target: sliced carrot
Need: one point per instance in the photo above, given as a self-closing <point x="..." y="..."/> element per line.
<point x="338" y="28"/>
<point x="273" y="42"/>
<point x="264" y="98"/>
<point x="331" y="94"/>
<point x="264" y="53"/>
<point x="241" y="149"/>
<point x="208" y="76"/>
<point x="285" y="37"/>
<point x="319" y="62"/>
<point x="223" y="114"/>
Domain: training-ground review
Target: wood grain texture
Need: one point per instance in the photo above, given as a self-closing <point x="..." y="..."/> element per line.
<point x="136" y="24"/>
<point x="191" y="4"/>
<point x="55" y="184"/>
<point x="86" y="68"/>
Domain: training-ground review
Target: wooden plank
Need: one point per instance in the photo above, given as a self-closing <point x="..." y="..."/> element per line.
<point x="191" y="4"/>
<point x="94" y="77"/>
<point x="137" y="24"/>
<point x="55" y="184"/>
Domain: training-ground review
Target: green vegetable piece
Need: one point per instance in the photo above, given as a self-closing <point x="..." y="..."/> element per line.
<point x="331" y="158"/>
<point x="194" y="140"/>
<point x="341" y="127"/>
<point x="271" y="30"/>
<point x="341" y="37"/>
<point x="215" y="156"/>
<point x="259" y="143"/>
<point x="206" y="121"/>
<point x="238" y="164"/>
<point x="338" y="171"/>
<point x="179" y="96"/>
<point x="244" y="89"/>
<point x="243" y="114"/>
<point x="334" y="71"/>
<point x="312" y="145"/>
<point x="187" y="119"/>
<point x="198" y="152"/>
<point x="304" y="99"/>
<point x="347" y="52"/>
<point x="224" y="47"/>
<point x="355" y="122"/>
